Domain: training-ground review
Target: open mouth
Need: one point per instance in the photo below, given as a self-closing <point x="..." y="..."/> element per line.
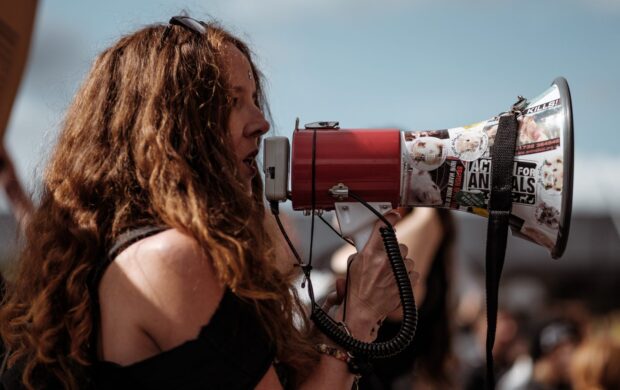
<point x="250" y="162"/>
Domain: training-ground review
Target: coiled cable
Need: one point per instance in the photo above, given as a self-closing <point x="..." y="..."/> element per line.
<point x="410" y="318"/>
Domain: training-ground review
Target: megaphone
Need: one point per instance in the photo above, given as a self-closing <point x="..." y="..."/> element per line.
<point x="362" y="173"/>
<point x="447" y="168"/>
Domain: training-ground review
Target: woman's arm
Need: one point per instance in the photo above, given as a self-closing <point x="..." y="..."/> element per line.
<point x="421" y="231"/>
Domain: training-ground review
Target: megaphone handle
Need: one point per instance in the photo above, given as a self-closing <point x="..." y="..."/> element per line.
<point x="361" y="238"/>
<point x="357" y="222"/>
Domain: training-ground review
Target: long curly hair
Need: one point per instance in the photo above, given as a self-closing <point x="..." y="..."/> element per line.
<point x="145" y="141"/>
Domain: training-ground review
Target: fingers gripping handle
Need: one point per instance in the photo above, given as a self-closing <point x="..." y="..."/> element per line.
<point x="357" y="222"/>
<point x="406" y="332"/>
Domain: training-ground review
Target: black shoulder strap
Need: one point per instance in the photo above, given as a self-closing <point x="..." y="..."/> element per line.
<point x="126" y="239"/>
<point x="500" y="204"/>
<point x="122" y="242"/>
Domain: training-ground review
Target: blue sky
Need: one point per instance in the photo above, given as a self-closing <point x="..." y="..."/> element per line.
<point x="413" y="65"/>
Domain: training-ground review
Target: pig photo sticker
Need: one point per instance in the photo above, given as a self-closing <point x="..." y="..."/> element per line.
<point x="470" y="145"/>
<point x="427" y="153"/>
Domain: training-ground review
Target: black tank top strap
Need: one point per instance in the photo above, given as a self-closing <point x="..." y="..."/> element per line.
<point x="122" y="242"/>
<point x="129" y="237"/>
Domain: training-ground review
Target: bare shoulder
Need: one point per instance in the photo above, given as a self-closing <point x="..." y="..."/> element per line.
<point x="162" y="286"/>
<point x="166" y="254"/>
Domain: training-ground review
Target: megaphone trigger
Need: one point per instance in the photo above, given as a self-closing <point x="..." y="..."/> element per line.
<point x="357" y="222"/>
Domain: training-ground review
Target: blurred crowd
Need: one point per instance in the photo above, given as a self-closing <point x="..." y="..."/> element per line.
<point x="563" y="346"/>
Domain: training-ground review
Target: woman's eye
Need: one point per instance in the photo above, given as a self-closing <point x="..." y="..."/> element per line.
<point x="235" y="101"/>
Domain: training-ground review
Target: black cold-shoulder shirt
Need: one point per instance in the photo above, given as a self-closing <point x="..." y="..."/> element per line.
<point x="232" y="351"/>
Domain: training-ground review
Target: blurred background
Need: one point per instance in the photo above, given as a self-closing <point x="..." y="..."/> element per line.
<point x="413" y="65"/>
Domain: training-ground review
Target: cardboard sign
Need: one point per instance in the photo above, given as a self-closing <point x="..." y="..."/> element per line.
<point x="16" y="23"/>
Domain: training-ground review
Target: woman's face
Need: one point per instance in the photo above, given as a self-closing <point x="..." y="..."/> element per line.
<point x="246" y="122"/>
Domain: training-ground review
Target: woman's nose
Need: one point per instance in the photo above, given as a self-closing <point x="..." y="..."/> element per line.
<point x="258" y="125"/>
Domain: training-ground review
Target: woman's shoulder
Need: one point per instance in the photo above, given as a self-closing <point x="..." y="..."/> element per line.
<point x="170" y="259"/>
<point x="163" y="286"/>
<point x="165" y="240"/>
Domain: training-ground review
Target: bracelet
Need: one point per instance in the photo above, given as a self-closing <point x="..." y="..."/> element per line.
<point x="357" y="366"/>
<point x="334" y="352"/>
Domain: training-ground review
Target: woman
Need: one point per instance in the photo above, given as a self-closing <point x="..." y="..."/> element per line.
<point x="156" y="163"/>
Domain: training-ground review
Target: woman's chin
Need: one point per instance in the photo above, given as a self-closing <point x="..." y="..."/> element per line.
<point x="246" y="184"/>
<point x="247" y="173"/>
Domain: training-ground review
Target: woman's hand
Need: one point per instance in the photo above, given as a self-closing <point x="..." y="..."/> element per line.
<point x="372" y="291"/>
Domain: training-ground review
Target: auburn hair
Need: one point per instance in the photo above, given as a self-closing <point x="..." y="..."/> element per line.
<point x="145" y="142"/>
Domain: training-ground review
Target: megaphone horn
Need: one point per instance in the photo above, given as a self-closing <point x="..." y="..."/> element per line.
<point x="448" y="168"/>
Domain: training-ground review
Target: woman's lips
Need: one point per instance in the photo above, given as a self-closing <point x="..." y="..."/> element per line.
<point x="250" y="162"/>
<point x="250" y="165"/>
